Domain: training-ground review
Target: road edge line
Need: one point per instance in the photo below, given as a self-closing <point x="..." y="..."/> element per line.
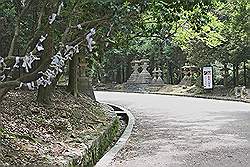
<point x="107" y="159"/>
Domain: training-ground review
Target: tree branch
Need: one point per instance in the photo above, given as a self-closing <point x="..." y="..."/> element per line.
<point x="17" y="28"/>
<point x="90" y="22"/>
<point x="36" y="34"/>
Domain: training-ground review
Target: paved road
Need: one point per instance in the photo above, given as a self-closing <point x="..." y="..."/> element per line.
<point x="179" y="131"/>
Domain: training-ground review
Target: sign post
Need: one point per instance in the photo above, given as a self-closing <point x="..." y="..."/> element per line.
<point x="207" y="77"/>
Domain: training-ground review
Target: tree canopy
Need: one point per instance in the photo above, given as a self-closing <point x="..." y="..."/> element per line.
<point x="38" y="38"/>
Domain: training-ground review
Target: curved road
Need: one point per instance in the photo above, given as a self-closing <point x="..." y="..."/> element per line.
<point x="182" y="131"/>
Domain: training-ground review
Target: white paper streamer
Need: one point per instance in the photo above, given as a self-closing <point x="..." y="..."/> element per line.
<point x="2" y="64"/>
<point x="43" y="38"/>
<point x="58" y="60"/>
<point x="28" y="60"/>
<point x="39" y="47"/>
<point x="20" y="86"/>
<point x="16" y="65"/>
<point x="52" y="18"/>
<point x="23" y="2"/>
<point x="31" y="85"/>
<point x="56" y="67"/>
<point x="108" y="34"/>
<point x="90" y="40"/>
<point x="70" y="50"/>
<point x="2" y="77"/>
<point x="76" y="49"/>
<point x="6" y="68"/>
<point x="60" y="8"/>
<point x="43" y="82"/>
<point x="40" y="81"/>
<point x="79" y="26"/>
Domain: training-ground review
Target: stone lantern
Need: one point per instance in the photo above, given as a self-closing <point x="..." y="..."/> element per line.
<point x="154" y="80"/>
<point x="159" y="79"/>
<point x="134" y="76"/>
<point x="144" y="76"/>
<point x="188" y="71"/>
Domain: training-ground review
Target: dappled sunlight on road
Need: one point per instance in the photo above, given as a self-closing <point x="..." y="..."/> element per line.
<point x="180" y="131"/>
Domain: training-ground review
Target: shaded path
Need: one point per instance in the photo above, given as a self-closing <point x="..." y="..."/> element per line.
<point x="178" y="131"/>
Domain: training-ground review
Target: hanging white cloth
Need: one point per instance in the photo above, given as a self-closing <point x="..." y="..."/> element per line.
<point x="90" y="40"/>
<point x="52" y="18"/>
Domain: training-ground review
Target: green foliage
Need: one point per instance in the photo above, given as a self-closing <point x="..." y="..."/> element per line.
<point x="223" y="38"/>
<point x="167" y="32"/>
<point x="147" y="31"/>
<point x="7" y="18"/>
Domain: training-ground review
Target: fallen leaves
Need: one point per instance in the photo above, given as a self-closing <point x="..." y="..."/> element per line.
<point x="36" y="134"/>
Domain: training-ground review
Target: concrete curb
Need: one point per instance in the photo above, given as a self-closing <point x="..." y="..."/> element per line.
<point x="94" y="150"/>
<point x="201" y="96"/>
<point x="107" y="159"/>
<point x="183" y="95"/>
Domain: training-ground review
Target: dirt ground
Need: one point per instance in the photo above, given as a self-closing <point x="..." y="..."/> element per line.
<point x="39" y="135"/>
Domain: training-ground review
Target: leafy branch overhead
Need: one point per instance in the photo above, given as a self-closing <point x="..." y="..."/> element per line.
<point x="58" y="29"/>
<point x="40" y="37"/>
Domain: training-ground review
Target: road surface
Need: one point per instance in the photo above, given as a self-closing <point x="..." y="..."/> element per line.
<point x="183" y="132"/>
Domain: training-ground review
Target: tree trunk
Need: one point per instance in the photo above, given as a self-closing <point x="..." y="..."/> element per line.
<point x="225" y="76"/>
<point x="245" y="74"/>
<point x="125" y="73"/>
<point x="44" y="93"/>
<point x="115" y="76"/>
<point x="237" y="74"/>
<point x="85" y="87"/>
<point x="73" y="75"/>
<point x="83" y="83"/>
<point x="234" y="75"/>
<point x="122" y="74"/>
<point x="170" y="73"/>
<point x="3" y="92"/>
